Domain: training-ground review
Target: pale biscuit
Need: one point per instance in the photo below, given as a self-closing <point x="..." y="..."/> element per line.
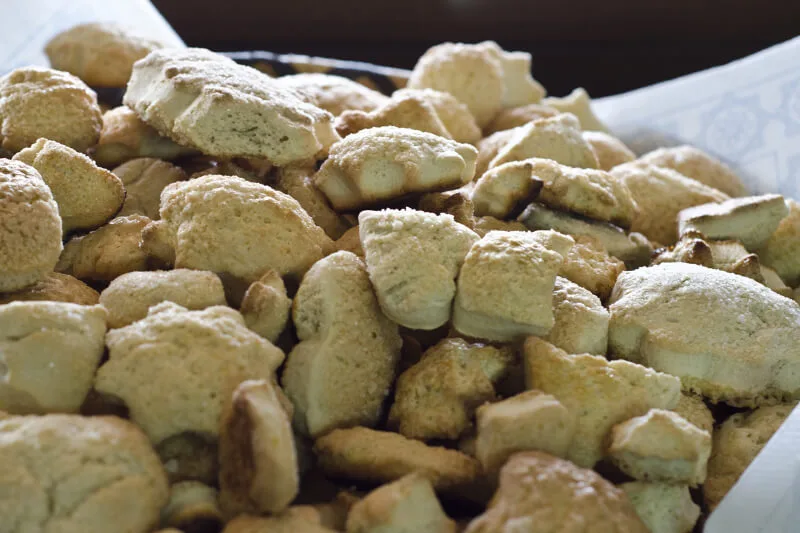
<point x="590" y="266"/>
<point x="609" y="150"/>
<point x="223" y="167"/>
<point x="49" y="352"/>
<point x="694" y="409"/>
<point x="176" y="369"/>
<point x="455" y="116"/>
<point x="296" y="519"/>
<point x="747" y="352"/>
<point x="473" y="73"/>
<point x="206" y="101"/>
<point x="73" y="473"/>
<point x="486" y="308"/>
<point x="662" y="193"/>
<point x="107" y="252"/>
<point x="436" y="398"/>
<point x="729" y="256"/>
<point x="750" y="220"/>
<point x="334" y="94"/>
<point x="698" y="165"/>
<point x="557" y="138"/>
<point x="663" y="508"/>
<point x="54" y="287"/>
<point x="661" y="446"/>
<point x="192" y="507"/>
<point x="102" y="55"/>
<point x="772" y="280"/>
<point x="782" y="250"/>
<point x="484" y="225"/>
<point x="598" y="392"/>
<point x="333" y="514"/>
<point x="144" y="179"/>
<point x="157" y="246"/>
<point x="504" y="191"/>
<point x="125" y="136"/>
<point x="431" y="249"/>
<point x="519" y="87"/>
<point x="30" y="227"/>
<point x="579" y="104"/>
<point x="298" y="182"/>
<point x="404" y="111"/>
<point x="736" y="443"/>
<point x="341" y="371"/>
<point x="266" y="306"/>
<point x="531" y="420"/>
<point x="539" y="492"/>
<point x="188" y="456"/>
<point x="488" y="147"/>
<point x="228" y="225"/>
<point x="258" y="470"/>
<point x="87" y="195"/>
<point x="38" y="102"/>
<point x="379" y="164"/>
<point x="581" y="321"/>
<point x="350" y="241"/>
<point x="368" y="455"/>
<point x="456" y="203"/>
<point x="406" y="505"/>
<point x="519" y="116"/>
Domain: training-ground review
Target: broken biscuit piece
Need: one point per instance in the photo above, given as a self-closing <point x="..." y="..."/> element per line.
<point x="581" y="321"/>
<point x="694" y="410"/>
<point x="54" y="288"/>
<point x="590" y="266"/>
<point x="456" y="117"/>
<point x="456" y="203"/>
<point x="404" y="111"/>
<point x="579" y="104"/>
<point x="489" y="146"/>
<point x="781" y="252"/>
<point x="298" y="182"/>
<point x="144" y="179"/>
<point x="698" y="165"/>
<point x="663" y="508"/>
<point x="266" y="306"/>
<point x="192" y="507"/>
<point x="334" y="94"/>
<point x="504" y="191"/>
<point x="519" y="86"/>
<point x="609" y="150"/>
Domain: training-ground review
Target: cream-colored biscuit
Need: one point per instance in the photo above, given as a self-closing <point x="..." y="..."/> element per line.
<point x="557" y="138"/>
<point x="188" y="456"/>
<point x="265" y="306"/>
<point x="144" y="179"/>
<point x="350" y="241"/>
<point x="663" y="508"/>
<point x="365" y="454"/>
<point x="107" y="252"/>
<point x="341" y="371"/>
<point x="257" y="459"/>
<point x="531" y="420"/>
<point x="473" y="73"/>
<point x="698" y="165"/>
<point x="333" y="514"/>
<point x="456" y="203"/>
<point x="772" y="280"/>
<point x="298" y="182"/>
<point x="129" y="297"/>
<point x="484" y="225"/>
<point x="455" y="116"/>
<point x="73" y="473"/>
<point x="404" y="111"/>
<point x="192" y="506"/>
<point x="513" y="117"/>
<point x="579" y="104"/>
<point x="589" y="265"/>
<point x="662" y="193"/>
<point x="431" y="249"/>
<point x="296" y="519"/>
<point x="206" y="101"/>
<point x="506" y="190"/>
<point x="519" y="86"/>
<point x="488" y="147"/>
<point x="486" y="307"/>
<point x="228" y="225"/>
<point x="581" y="321"/>
<point x="633" y="248"/>
<point x="87" y="195"/>
<point x="125" y="136"/>
<point x="408" y="504"/>
<point x="224" y="167"/>
<point x="609" y="150"/>
<point x="54" y="288"/>
<point x="661" y="446"/>
<point x="736" y="443"/>
<point x="38" y="102"/>
<point x="747" y="352"/>
<point x="102" y="55"/>
<point x="379" y="164"/>
<point x="782" y="250"/>
<point x="176" y="369"/>
<point x="49" y="352"/>
<point x="694" y="409"/>
<point x="598" y="392"/>
<point x="751" y="220"/>
<point x="437" y="397"/>
<point x="334" y="94"/>
<point x="30" y="227"/>
<point x="539" y="492"/>
<point x="157" y="246"/>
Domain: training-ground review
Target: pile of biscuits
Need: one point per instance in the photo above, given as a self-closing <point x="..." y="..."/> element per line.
<point x="250" y="304"/>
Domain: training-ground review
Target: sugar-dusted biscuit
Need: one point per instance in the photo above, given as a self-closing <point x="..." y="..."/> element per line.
<point x="266" y="306"/>
<point x="512" y="117"/>
<point x="781" y="252"/>
<point x="519" y="87"/>
<point x="693" y="409"/>
<point x="662" y="507"/>
<point x="609" y="150"/>
<point x="698" y="165"/>
<point x="334" y="94"/>
<point x="144" y="179"/>
<point x="504" y="191"/>
<point x="404" y="111"/>
<point x="579" y="104"/>
<point x="54" y="287"/>
<point x="298" y="182"/>
<point x="455" y="116"/>
<point x="590" y="266"/>
<point x="581" y="321"/>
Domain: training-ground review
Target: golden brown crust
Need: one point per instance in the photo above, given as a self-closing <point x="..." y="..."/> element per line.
<point x="55" y="287"/>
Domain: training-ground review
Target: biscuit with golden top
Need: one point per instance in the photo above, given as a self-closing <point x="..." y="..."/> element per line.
<point x="698" y="165"/>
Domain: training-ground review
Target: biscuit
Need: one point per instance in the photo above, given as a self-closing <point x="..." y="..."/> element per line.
<point x="350" y="241"/>
<point x="49" y="352"/>
<point x="374" y="456"/>
<point x="156" y="245"/>
<point x="746" y="353"/>
<point x="456" y="203"/>
<point x="579" y="104"/>
<point x="265" y="306"/>
<point x="38" y="102"/>
<point x="609" y="150"/>
<point x="589" y="265"/>
<point x="698" y="165"/>
<point x="431" y="249"/>
<point x="107" y="252"/>
<point x="437" y="397"/>
<point x="206" y="101"/>
<point x="456" y="117"/>
<point x="54" y="287"/>
<point x="192" y="507"/>
<point x="334" y="94"/>
<point x="663" y="508"/>
<point x="581" y="321"/>
<point x="298" y="182"/>
<point x="176" y="369"/>
<point x="486" y="308"/>
<point x="598" y="392"/>
<point x="379" y="164"/>
<point x="504" y="191"/>
<point x="228" y="225"/>
<point x="512" y="117"/>
<point x="87" y="195"/>
<point x="341" y="371"/>
<point x="661" y="194"/>
<point x="519" y="86"/>
<point x="188" y="456"/>
<point x="539" y="492"/>
<point x="102" y="55"/>
<point x="694" y="410"/>
<point x="781" y="252"/>
<point x="772" y="280"/>
<point x="661" y="446"/>
<point x="404" y="111"/>
<point x="144" y="179"/>
<point x="488" y="147"/>
<point x="30" y="227"/>
<point x="68" y="472"/>
<point x="484" y="225"/>
<point x="296" y="519"/>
